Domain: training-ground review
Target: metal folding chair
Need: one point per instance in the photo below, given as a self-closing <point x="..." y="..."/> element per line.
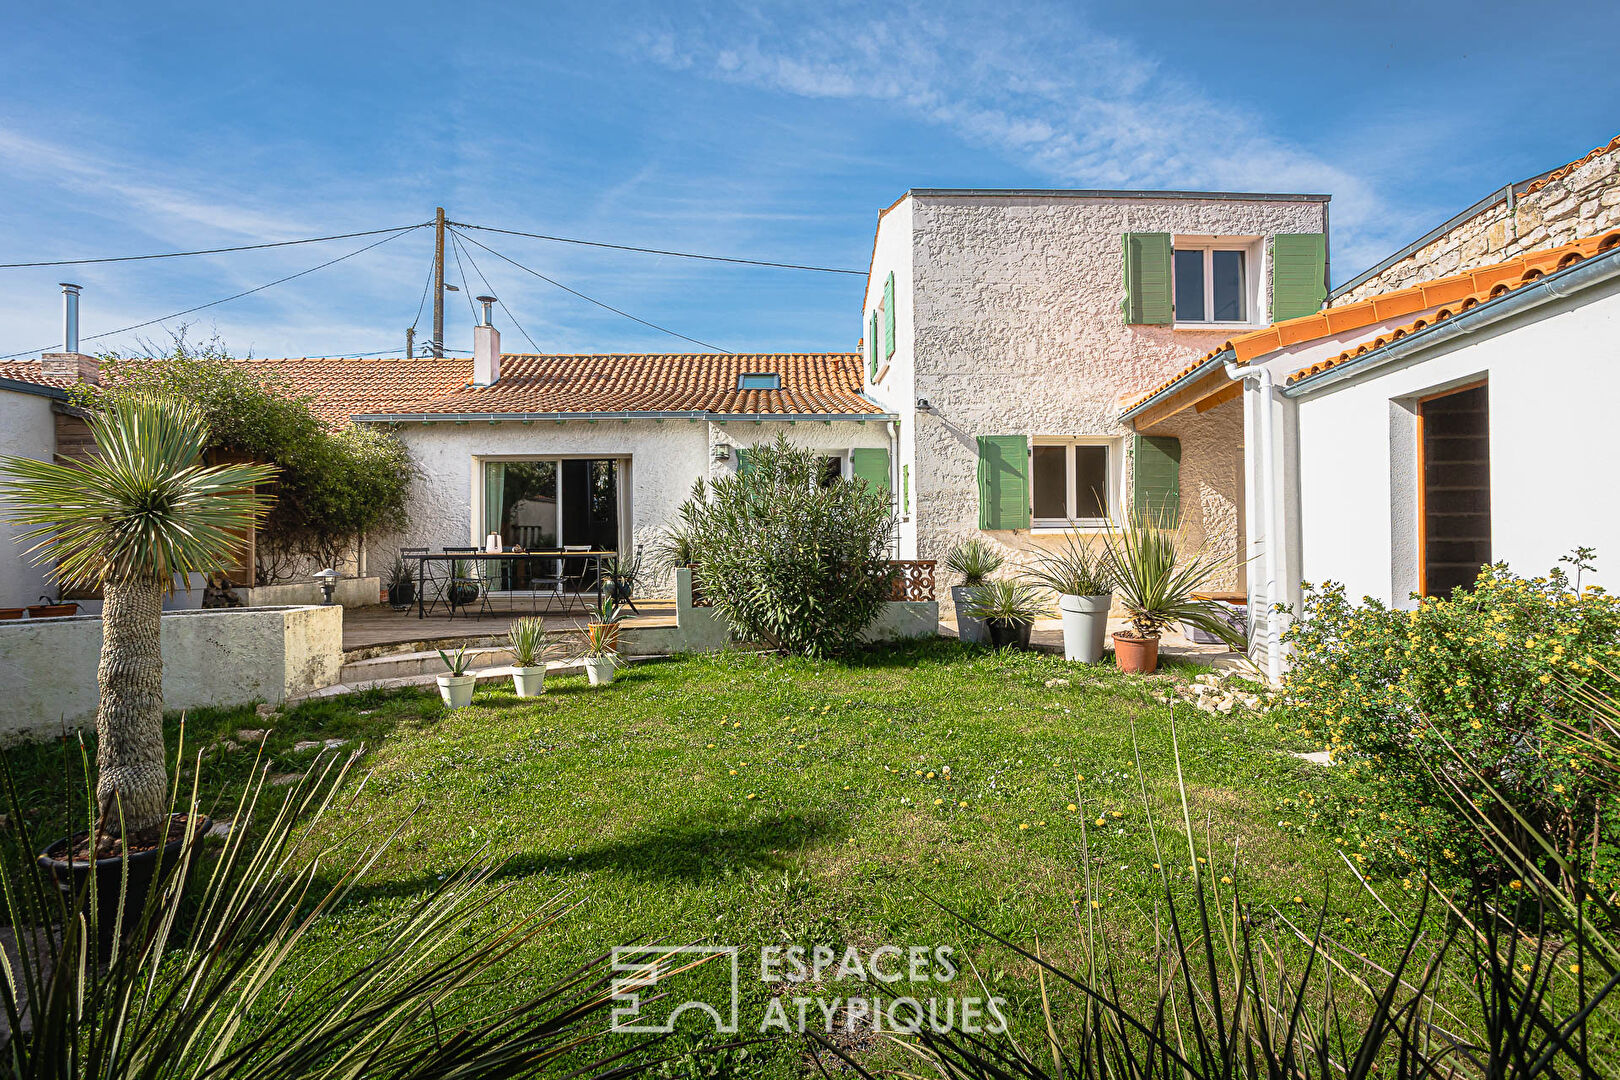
<point x="432" y="577"/>
<point x="464" y="574"/>
<point x="573" y="569"/>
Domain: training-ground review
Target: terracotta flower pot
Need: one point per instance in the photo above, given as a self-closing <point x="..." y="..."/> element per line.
<point x="51" y="611"/>
<point x="12" y="612"/>
<point x="1136" y="655"/>
<point x="611" y="639"/>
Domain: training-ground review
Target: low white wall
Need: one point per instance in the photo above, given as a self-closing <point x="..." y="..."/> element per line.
<point x="214" y="657"/>
<point x="350" y="592"/>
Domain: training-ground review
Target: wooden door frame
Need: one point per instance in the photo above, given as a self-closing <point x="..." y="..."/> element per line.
<point x="1423" y="478"/>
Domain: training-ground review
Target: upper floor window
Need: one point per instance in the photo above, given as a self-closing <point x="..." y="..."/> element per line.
<point x="1212" y="283"/>
<point x="759" y="380"/>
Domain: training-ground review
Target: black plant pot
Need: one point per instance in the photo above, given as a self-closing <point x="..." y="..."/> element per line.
<point x="463" y="595"/>
<point x="146" y="869"/>
<point x="1008" y="633"/>
<point x="402" y="595"/>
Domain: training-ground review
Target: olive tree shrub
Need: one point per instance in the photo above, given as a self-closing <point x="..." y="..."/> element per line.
<point x="799" y="567"/>
<point x="333" y="487"/>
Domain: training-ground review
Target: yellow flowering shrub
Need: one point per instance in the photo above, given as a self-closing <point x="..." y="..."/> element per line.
<point x="1451" y="699"/>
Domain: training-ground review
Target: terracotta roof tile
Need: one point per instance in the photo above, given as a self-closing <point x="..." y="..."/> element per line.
<point x="338" y="388"/>
<point x="1564" y="170"/>
<point x="1481" y="283"/>
<point x="1494" y="281"/>
<point x="28" y="371"/>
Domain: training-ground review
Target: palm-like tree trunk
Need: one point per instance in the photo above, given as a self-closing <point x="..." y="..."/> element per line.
<point x="133" y="777"/>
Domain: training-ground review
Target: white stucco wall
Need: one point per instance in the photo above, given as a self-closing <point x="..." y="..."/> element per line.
<point x="1554" y="375"/>
<point x="1009" y="322"/>
<point x="663" y="460"/>
<point x="27" y="429"/>
<point x="895" y="391"/>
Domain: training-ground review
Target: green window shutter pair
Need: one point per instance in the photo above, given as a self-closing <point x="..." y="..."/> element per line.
<point x="745" y="465"/>
<point x="1298" y="274"/>
<point x="872" y="348"/>
<point x="888" y="316"/>
<point x="1157" y="477"/>
<point x="1003" y="482"/>
<point x="1148" y="295"/>
<point x="871" y="465"/>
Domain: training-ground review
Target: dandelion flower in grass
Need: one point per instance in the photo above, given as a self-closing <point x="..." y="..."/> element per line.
<point x="733" y="772"/>
<point x="1115" y="813"/>
<point x="939" y="802"/>
<point x="962" y="804"/>
<point x="801" y="746"/>
<point x="1299" y="899"/>
<point x="1023" y="824"/>
<point x="1226" y="879"/>
<point x="711" y="746"/>
<point x="1546" y="679"/>
<point x="1042" y="824"/>
<point x="1102" y="821"/>
<point x="1094" y="905"/>
<point x="751" y="795"/>
<point x="1515" y="884"/>
<point x="737" y="724"/>
<point x="1558" y="788"/>
<point x="1574" y="969"/>
<point x="930" y="774"/>
<point x="1073" y="807"/>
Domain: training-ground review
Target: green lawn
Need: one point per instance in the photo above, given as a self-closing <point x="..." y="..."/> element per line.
<point x="750" y="800"/>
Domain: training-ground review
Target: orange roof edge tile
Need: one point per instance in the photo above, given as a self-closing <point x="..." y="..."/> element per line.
<point x="1469" y="287"/>
<point x="1491" y="282"/>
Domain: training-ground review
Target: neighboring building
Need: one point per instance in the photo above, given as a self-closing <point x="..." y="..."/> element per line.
<point x="1581" y="198"/>
<point x="27" y="429"/>
<point x="1004" y="328"/>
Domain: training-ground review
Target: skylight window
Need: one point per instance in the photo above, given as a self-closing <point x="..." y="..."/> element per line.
<point x="759" y="380"/>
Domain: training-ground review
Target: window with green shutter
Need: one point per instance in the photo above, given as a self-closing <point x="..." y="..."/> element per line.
<point x="1156" y="477"/>
<point x="1003" y="482"/>
<point x="745" y="465"/>
<point x="871" y="465"/>
<point x="888" y="316"/>
<point x="872" y="349"/>
<point x="1298" y="274"/>
<point x="1147" y="279"/>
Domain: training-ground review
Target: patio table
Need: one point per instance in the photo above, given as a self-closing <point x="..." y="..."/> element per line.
<point x="497" y="557"/>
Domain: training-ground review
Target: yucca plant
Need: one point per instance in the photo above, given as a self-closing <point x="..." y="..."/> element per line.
<point x="223" y="991"/>
<point x="1006" y="600"/>
<point x="529" y="643"/>
<point x="1073" y="568"/>
<point x="973" y="561"/>
<point x="141" y="512"/>
<point x="1158" y="584"/>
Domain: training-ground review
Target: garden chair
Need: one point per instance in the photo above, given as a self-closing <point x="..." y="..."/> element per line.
<point x="469" y="582"/>
<point x="435" y="578"/>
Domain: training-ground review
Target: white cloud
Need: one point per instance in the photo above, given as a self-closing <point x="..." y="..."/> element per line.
<point x="1040" y="88"/>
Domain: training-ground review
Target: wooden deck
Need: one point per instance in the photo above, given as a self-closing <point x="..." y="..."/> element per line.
<point x="380" y="627"/>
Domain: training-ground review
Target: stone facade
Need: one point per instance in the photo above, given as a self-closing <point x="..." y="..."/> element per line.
<point x="1579" y="200"/>
<point x="1008" y="322"/>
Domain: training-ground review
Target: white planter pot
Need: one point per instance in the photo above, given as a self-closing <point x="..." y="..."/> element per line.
<point x="529" y="681"/>
<point x="457" y="690"/>
<point x="968" y="629"/>
<point x="600" y="669"/>
<point x="1085" y="624"/>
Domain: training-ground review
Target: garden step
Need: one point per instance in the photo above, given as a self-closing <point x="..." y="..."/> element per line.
<point x="482" y="674"/>
<point x="424" y="662"/>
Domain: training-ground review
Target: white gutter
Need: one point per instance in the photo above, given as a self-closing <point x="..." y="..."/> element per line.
<point x="1270" y="505"/>
<point x="697" y="414"/>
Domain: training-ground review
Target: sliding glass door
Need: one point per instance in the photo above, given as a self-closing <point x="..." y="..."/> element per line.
<point x="552" y="504"/>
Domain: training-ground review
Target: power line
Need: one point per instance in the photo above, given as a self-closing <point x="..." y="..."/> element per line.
<point x="210" y="251"/>
<point x="593" y="300"/>
<point x="490" y="289"/>
<point x="422" y="303"/>
<point x="227" y="299"/>
<point x="659" y="251"/>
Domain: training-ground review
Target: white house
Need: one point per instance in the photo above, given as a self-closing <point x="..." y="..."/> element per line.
<point x="1004" y="329"/>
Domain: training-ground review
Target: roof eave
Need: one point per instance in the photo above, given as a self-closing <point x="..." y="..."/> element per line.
<point x="1219" y="359"/>
<point x="22" y="386"/>
<point x="559" y="417"/>
<point x="1574" y="278"/>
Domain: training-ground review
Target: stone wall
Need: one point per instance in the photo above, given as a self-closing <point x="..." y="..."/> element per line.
<point x="1577" y="201"/>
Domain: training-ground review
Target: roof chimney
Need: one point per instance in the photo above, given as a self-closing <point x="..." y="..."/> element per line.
<point x="70" y="363"/>
<point x="486" y="347"/>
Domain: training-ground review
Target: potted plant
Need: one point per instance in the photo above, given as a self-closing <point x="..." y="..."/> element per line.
<point x="401" y="585"/>
<point x="142" y="511"/>
<point x="456" y="686"/>
<point x="1159" y="588"/>
<point x="531" y="649"/>
<point x="973" y="561"/>
<point x="1074" y="572"/>
<point x="601" y="652"/>
<point x="51" y="609"/>
<point x="622" y="575"/>
<point x="606" y="614"/>
<point x="1009" y="609"/>
<point x="463" y="586"/>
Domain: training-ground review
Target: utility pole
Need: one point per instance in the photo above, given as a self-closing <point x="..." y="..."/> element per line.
<point x="410" y="342"/>
<point x="438" y="284"/>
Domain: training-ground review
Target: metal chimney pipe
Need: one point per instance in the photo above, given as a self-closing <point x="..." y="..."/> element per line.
<point x="70" y="317"/>
<point x="489" y="314"/>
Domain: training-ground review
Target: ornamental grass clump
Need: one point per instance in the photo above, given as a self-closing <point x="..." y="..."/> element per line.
<point x="788" y="563"/>
<point x="1479" y="694"/>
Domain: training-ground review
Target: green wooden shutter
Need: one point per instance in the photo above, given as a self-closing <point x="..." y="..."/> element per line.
<point x="905" y="489"/>
<point x="888" y="316"/>
<point x="1003" y="482"/>
<point x="1298" y="274"/>
<point x="871" y="465"/>
<point x="1157" y="477"/>
<point x="1147" y="279"/>
<point x="745" y="466"/>
<point x="872" y="349"/>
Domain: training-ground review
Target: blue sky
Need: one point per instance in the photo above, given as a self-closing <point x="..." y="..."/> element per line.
<point x="767" y="131"/>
